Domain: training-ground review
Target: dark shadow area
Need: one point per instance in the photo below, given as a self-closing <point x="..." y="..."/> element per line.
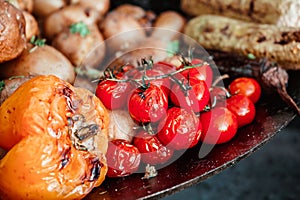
<point x="270" y="173"/>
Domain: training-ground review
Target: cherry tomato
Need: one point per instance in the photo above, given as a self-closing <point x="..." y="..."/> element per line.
<point x="195" y="98"/>
<point x="113" y="94"/>
<point x="152" y="150"/>
<point x="122" y="158"/>
<point x="148" y="104"/>
<point x="165" y="67"/>
<point x="203" y="72"/>
<point x="242" y="107"/>
<point x="218" y="96"/>
<point x="180" y="129"/>
<point x="219" y="125"/>
<point x="164" y="83"/>
<point x="246" y="86"/>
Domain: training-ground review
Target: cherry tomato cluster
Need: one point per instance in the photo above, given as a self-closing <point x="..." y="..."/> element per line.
<point x="174" y="108"/>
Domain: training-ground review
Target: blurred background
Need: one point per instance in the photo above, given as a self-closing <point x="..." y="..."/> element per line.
<point x="270" y="173"/>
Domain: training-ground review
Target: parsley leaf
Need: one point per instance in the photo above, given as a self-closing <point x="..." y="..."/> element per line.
<point x="81" y="28"/>
<point x="37" y="41"/>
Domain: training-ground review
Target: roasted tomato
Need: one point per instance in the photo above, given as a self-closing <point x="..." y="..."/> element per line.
<point x="242" y="107"/>
<point x="113" y="94"/>
<point x="56" y="139"/>
<point x="180" y="129"/>
<point x="164" y="83"/>
<point x="219" y="125"/>
<point x="148" y="104"/>
<point x="122" y="158"/>
<point x="152" y="150"/>
<point x="194" y="96"/>
<point x="246" y="86"/>
<point x="201" y="71"/>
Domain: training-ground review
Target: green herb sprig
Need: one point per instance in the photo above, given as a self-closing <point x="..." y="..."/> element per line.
<point x="81" y="28"/>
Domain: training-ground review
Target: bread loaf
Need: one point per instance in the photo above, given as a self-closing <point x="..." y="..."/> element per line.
<point x="280" y="44"/>
<point x="278" y="12"/>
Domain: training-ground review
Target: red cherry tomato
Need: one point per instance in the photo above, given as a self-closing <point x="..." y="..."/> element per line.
<point x="148" y="105"/>
<point x="195" y="98"/>
<point x="218" y="96"/>
<point x="164" y="83"/>
<point x="165" y="67"/>
<point x="203" y="72"/>
<point x="242" y="107"/>
<point x="113" y="94"/>
<point x="180" y="129"/>
<point x="219" y="125"/>
<point x="152" y="150"/>
<point x="122" y="158"/>
<point x="246" y="86"/>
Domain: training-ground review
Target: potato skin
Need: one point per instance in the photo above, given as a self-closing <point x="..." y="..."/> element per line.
<point x="31" y="28"/>
<point x="43" y="60"/>
<point x="10" y="85"/>
<point x="42" y="8"/>
<point x="86" y="50"/>
<point x="12" y="32"/>
<point x="63" y="18"/>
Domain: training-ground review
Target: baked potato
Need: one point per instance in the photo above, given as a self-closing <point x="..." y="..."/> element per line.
<point x="82" y="44"/>
<point x="9" y="86"/>
<point x="12" y="31"/>
<point x="39" y="60"/>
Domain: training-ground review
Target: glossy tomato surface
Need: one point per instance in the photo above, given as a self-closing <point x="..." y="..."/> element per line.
<point x="219" y="125"/>
<point x="246" y="86"/>
<point x="180" y="129"/>
<point x="113" y="94"/>
<point x="148" y="104"/>
<point x="201" y="71"/>
<point x="152" y="150"/>
<point x="122" y="158"/>
<point x="194" y="97"/>
<point x="243" y="108"/>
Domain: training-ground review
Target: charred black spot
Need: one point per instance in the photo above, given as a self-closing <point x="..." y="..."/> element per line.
<point x="251" y="8"/>
<point x="224" y="29"/>
<point x="261" y="39"/>
<point x="96" y="169"/>
<point x="65" y="158"/>
<point x="288" y="37"/>
<point x="87" y="132"/>
<point x="142" y="95"/>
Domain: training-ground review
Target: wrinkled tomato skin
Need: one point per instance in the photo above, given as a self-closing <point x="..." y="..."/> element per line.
<point x="246" y="86"/>
<point x="180" y="129"/>
<point x="243" y="108"/>
<point x="203" y="72"/>
<point x="164" y="67"/>
<point x="196" y="99"/>
<point x="123" y="158"/>
<point x="164" y="83"/>
<point x="152" y="150"/>
<point x="219" y="125"/>
<point x="148" y="105"/>
<point x="113" y="94"/>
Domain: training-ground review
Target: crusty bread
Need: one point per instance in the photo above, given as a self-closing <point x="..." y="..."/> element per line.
<point x="278" y="12"/>
<point x="280" y="44"/>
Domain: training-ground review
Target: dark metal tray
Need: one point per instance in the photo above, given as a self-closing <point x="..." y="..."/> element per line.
<point x="272" y="116"/>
